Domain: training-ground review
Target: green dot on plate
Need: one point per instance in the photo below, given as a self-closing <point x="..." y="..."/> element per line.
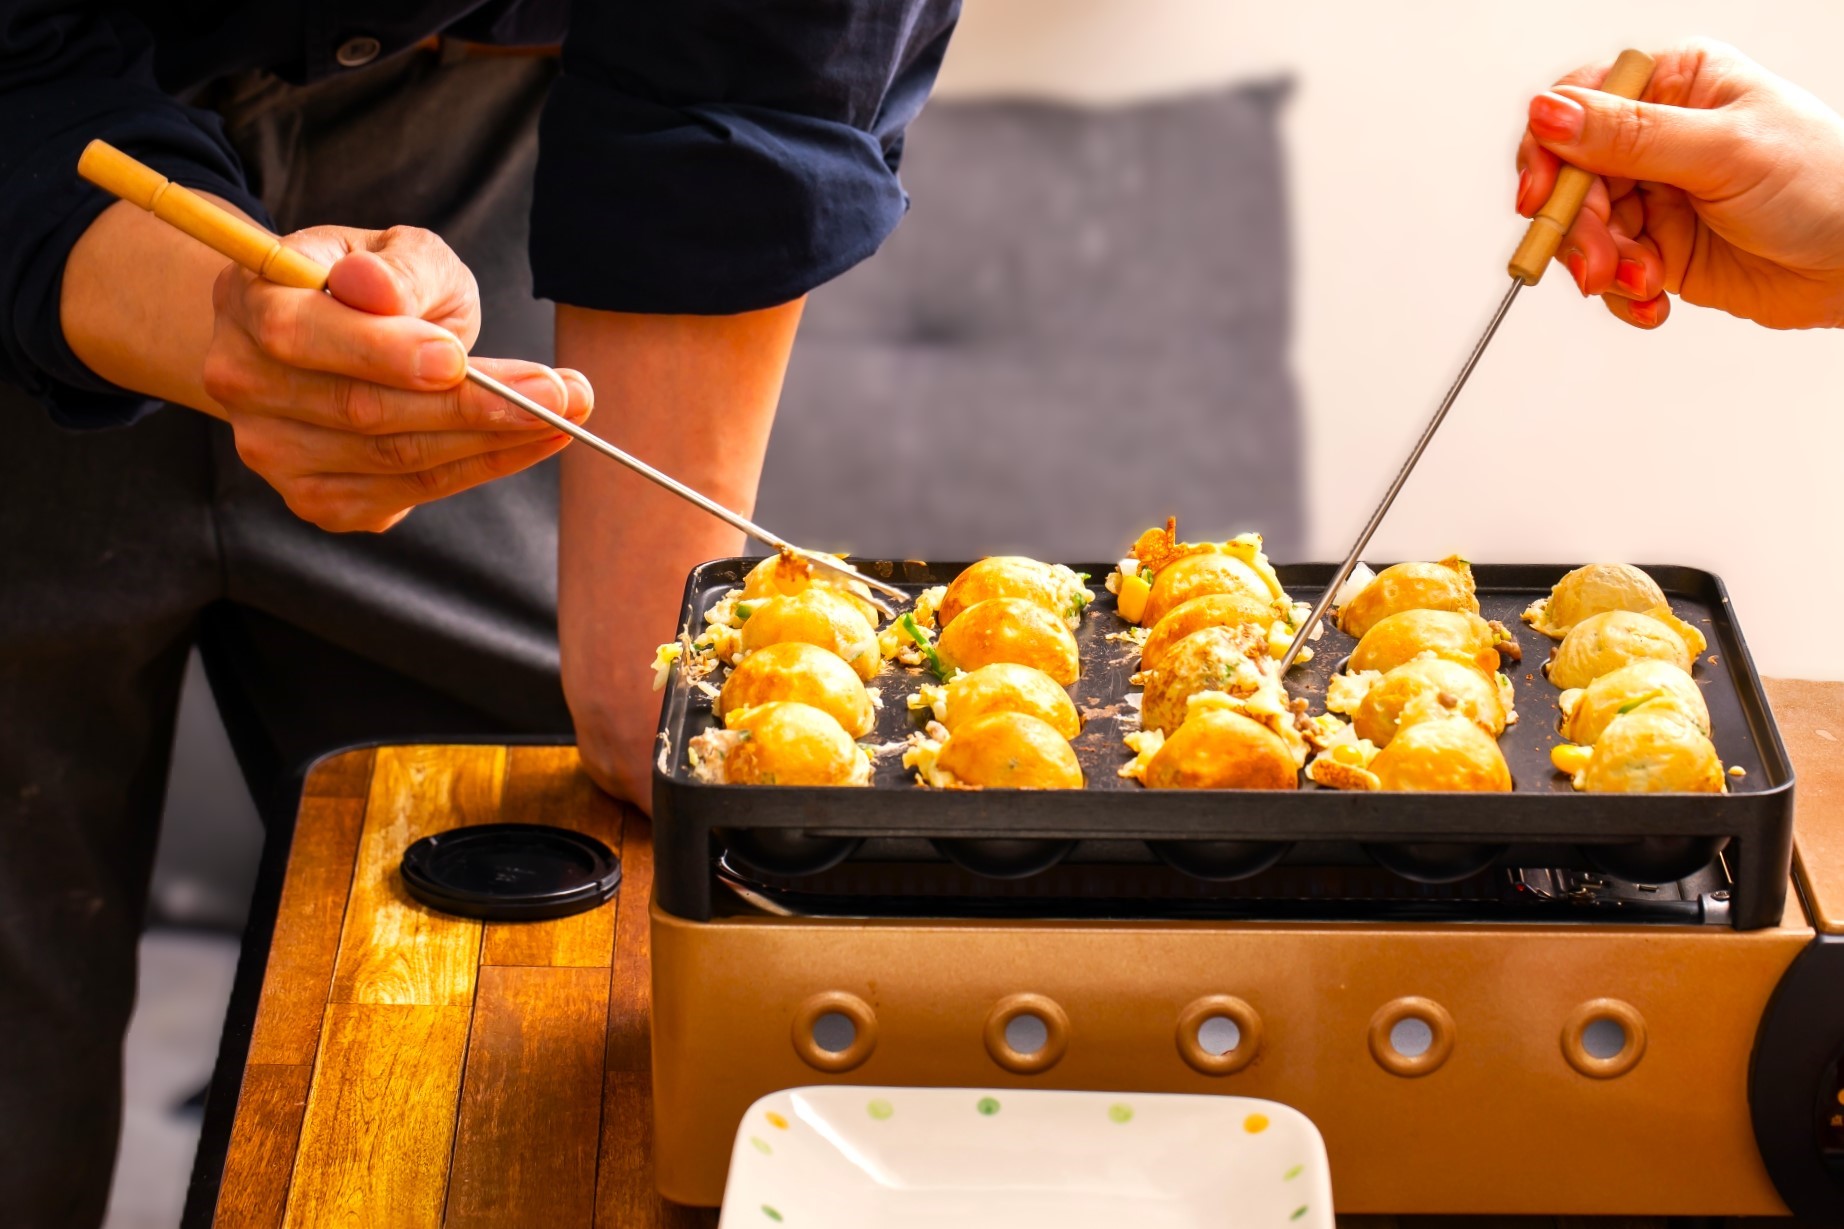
<point x="880" y="1109"/>
<point x="761" y="1145"/>
<point x="988" y="1106"/>
<point x="1298" y="1212"/>
<point x="1293" y="1173"/>
<point x="1120" y="1112"/>
<point x="776" y="1216"/>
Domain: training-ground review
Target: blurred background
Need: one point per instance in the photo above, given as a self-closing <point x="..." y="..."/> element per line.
<point x="1219" y="259"/>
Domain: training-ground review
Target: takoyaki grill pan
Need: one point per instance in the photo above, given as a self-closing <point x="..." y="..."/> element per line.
<point x="1717" y="858"/>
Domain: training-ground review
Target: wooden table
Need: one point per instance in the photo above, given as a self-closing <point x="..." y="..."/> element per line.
<point x="407" y="1068"/>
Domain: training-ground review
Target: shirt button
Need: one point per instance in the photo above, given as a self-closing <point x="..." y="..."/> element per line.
<point x="358" y="51"/>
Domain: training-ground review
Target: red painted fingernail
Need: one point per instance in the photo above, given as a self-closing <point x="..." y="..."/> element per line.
<point x="1555" y="118"/>
<point x="1523" y="186"/>
<point x="1630" y="276"/>
<point x="1578" y="269"/>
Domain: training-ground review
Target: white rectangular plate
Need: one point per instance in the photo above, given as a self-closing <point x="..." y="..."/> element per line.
<point x="969" y="1158"/>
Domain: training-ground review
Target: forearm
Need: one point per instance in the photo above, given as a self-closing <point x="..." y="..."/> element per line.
<point x="136" y="305"/>
<point x="695" y="396"/>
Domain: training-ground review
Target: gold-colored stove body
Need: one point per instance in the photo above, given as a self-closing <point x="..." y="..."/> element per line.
<point x="1505" y="1124"/>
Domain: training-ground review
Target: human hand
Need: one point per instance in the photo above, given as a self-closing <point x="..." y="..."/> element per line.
<point x="354" y="404"/>
<point x="1724" y="186"/>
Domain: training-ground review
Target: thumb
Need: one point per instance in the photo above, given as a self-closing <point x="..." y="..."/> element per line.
<point x="1692" y="149"/>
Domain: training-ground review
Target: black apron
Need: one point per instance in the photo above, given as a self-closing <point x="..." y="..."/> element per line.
<point x="120" y="550"/>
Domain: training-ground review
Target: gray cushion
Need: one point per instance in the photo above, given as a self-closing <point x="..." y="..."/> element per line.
<point x="1080" y="329"/>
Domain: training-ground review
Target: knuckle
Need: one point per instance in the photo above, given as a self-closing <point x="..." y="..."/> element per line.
<point x="275" y="324"/>
<point x="1628" y="131"/>
<point x="426" y="484"/>
<point x="398" y="452"/>
<point x="360" y="407"/>
<point x="252" y="447"/>
<point x="225" y="379"/>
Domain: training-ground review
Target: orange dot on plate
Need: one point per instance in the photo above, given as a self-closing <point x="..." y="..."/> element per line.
<point x="1255" y="1124"/>
<point x="776" y="1121"/>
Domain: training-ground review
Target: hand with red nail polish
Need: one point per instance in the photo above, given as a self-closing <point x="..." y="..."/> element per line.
<point x="1723" y="186"/>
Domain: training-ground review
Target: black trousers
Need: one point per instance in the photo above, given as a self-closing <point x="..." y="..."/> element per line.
<point x="120" y="550"/>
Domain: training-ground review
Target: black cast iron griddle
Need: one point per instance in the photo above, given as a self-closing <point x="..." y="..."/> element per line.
<point x="1223" y="834"/>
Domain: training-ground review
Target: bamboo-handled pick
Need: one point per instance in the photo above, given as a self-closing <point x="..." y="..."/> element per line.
<point x="1628" y="78"/>
<point x="268" y="257"/>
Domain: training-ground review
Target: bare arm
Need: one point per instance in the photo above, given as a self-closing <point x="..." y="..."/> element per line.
<point x="694" y="395"/>
<point x="136" y="305"/>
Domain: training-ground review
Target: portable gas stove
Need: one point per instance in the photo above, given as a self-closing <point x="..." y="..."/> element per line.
<point x="1537" y="1002"/>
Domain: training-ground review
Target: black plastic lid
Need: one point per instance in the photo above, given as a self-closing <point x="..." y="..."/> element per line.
<point x="511" y="872"/>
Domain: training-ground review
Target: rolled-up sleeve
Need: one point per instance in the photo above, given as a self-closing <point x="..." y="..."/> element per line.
<point x="70" y="73"/>
<point x="718" y="156"/>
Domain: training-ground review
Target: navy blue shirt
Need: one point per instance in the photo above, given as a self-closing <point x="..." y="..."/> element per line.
<point x="695" y="156"/>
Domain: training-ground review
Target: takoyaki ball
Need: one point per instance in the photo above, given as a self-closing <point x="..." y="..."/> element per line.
<point x="795" y="670"/>
<point x="1196" y="576"/>
<point x="1588" y="711"/>
<point x="1006" y="687"/>
<point x="817" y="616"/>
<point x="1051" y="586"/>
<point x="1602" y="643"/>
<point x="1409" y="586"/>
<point x="1450" y="634"/>
<point x="1010" y="629"/>
<point x="1211" y="659"/>
<point x="786" y="575"/>
<point x="1008" y="751"/>
<point x="1442" y="753"/>
<point x="1218" y="749"/>
<point x="1590" y="590"/>
<point x="1238" y="609"/>
<point x="780" y="743"/>
<point x="1425" y="685"/>
<point x="1652" y="751"/>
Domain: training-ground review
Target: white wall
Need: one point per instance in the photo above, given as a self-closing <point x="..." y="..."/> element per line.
<point x="1711" y="441"/>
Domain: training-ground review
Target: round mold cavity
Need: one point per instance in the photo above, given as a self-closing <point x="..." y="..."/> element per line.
<point x="1433" y="861"/>
<point x="1655" y="859"/>
<point x="1003" y="857"/>
<point x="1220" y="860"/>
<point x="788" y="851"/>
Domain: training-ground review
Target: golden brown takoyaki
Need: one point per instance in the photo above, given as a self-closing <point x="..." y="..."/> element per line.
<point x="1649" y="751"/>
<point x="1005" y="751"/>
<point x="1238" y="609"/>
<point x="1210" y="659"/>
<point x="818" y="616"/>
<point x="796" y="670"/>
<point x="1192" y="576"/>
<point x="1586" y="712"/>
<point x="1406" y="691"/>
<point x="1447" y="585"/>
<point x="1442" y="753"/>
<point x="1590" y="590"/>
<point x="787" y="575"/>
<point x="1013" y="630"/>
<point x="1219" y="749"/>
<point x="779" y="743"/>
<point x="1051" y="586"/>
<point x="1401" y="637"/>
<point x="1602" y="643"/>
<point x="1003" y="687"/>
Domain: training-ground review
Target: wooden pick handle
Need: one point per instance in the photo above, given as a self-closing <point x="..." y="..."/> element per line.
<point x="224" y="232"/>
<point x="1626" y="79"/>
